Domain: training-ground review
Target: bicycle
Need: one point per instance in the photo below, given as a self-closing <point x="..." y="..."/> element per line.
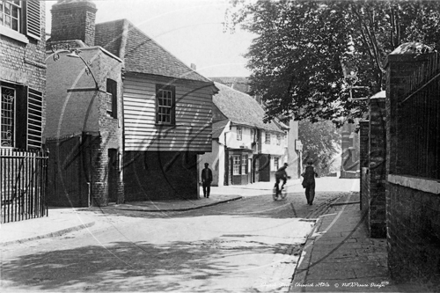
<point x="282" y="194"/>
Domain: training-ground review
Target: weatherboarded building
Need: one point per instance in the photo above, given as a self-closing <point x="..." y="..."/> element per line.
<point x="165" y="111"/>
<point x="167" y="115"/>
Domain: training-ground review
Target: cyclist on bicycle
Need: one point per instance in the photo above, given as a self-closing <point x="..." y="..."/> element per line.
<point x="281" y="174"/>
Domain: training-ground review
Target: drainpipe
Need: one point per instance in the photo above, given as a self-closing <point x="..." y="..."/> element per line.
<point x="226" y="175"/>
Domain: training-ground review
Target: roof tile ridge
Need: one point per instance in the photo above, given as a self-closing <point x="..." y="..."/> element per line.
<point x="110" y="21"/>
<point x="133" y="27"/>
<point x="124" y="37"/>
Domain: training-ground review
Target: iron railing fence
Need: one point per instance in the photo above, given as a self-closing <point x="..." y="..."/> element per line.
<point x="23" y="184"/>
<point x="418" y="122"/>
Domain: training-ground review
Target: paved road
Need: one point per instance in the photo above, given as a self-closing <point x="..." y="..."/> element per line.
<point x="250" y="245"/>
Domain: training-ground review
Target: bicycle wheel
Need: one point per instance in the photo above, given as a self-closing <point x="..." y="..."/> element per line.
<point x="274" y="194"/>
<point x="283" y="193"/>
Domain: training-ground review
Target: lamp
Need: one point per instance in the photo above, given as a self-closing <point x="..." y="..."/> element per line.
<point x="75" y="54"/>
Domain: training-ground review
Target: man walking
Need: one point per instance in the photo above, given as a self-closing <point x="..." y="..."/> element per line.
<point x="206" y="180"/>
<point x="309" y="182"/>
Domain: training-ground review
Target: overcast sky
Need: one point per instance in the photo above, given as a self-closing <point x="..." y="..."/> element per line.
<point x="192" y="30"/>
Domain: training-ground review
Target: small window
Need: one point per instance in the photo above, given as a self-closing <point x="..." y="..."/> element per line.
<point x="21" y="16"/>
<point x="165" y="105"/>
<point x="244" y="164"/>
<point x="10" y="14"/>
<point x="278" y="139"/>
<point x="267" y="138"/>
<point x="112" y="98"/>
<point x="276" y="163"/>
<point x="239" y="133"/>
<point x="7" y="109"/>
<point x="236" y="165"/>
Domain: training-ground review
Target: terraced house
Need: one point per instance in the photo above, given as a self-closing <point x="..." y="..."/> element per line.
<point x="22" y="108"/>
<point x="245" y="149"/>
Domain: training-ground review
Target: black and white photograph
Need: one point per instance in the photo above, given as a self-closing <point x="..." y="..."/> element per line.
<point x="229" y="146"/>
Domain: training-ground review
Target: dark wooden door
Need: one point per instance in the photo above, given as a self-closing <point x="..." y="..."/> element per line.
<point x="112" y="175"/>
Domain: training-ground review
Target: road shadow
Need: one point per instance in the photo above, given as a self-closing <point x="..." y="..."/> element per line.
<point x="134" y="266"/>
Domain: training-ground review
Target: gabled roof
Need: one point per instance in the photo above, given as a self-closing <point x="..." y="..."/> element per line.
<point x="140" y="53"/>
<point x="218" y="127"/>
<point x="241" y="109"/>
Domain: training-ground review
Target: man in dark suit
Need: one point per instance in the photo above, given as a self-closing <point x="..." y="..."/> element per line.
<point x="309" y="182"/>
<point x="206" y="180"/>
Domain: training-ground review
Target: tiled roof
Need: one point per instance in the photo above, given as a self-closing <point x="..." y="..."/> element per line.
<point x="217" y="128"/>
<point x="140" y="53"/>
<point x="237" y="83"/>
<point x="241" y="108"/>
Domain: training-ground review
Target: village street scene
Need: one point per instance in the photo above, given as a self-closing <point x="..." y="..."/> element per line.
<point x="219" y="146"/>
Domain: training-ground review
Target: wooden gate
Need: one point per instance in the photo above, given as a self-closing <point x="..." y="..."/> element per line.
<point x="68" y="172"/>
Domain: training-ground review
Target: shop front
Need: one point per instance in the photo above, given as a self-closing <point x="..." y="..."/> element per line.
<point x="239" y="166"/>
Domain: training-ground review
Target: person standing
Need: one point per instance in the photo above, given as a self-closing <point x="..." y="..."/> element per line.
<point x="206" y="180"/>
<point x="309" y="182"/>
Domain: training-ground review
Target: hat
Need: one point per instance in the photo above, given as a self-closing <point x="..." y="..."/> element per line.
<point x="206" y="164"/>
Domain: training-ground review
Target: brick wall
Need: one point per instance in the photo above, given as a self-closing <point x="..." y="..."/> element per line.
<point x="74" y="21"/>
<point x="111" y="138"/>
<point x="363" y="154"/>
<point x="160" y="175"/>
<point x="24" y="63"/>
<point x="377" y="170"/>
<point x="413" y="216"/>
<point x="414" y="235"/>
<point x="86" y="114"/>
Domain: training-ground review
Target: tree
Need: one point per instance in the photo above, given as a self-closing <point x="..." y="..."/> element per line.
<point x="311" y="58"/>
<point x="321" y="142"/>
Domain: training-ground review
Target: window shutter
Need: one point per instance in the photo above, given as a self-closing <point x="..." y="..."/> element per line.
<point x="34" y="119"/>
<point x="21" y="115"/>
<point x="33" y="27"/>
<point x="112" y="87"/>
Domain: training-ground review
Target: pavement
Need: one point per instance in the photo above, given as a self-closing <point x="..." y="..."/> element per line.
<point x="338" y="255"/>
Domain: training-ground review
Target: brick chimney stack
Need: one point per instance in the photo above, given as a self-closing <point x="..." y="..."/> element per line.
<point x="74" y="20"/>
